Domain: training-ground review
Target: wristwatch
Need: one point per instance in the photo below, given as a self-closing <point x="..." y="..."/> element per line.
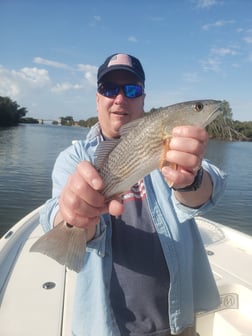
<point x="196" y="183"/>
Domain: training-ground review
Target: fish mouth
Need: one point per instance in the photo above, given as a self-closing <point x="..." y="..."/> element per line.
<point x="212" y="116"/>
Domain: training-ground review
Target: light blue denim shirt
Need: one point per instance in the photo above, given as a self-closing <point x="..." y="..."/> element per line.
<point x="192" y="286"/>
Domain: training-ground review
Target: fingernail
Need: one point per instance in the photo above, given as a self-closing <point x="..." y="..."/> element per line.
<point x="96" y="184"/>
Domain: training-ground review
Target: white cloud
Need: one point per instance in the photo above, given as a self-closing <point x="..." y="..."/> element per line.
<point x="132" y="39"/>
<point x="157" y="18"/>
<point x="191" y="77"/>
<point x="216" y="59"/>
<point x="33" y="88"/>
<point x="250" y="57"/>
<point x="8" y="87"/>
<point x="248" y="39"/>
<point x="223" y="51"/>
<point x="90" y="72"/>
<point x="206" y="3"/>
<point x="17" y="83"/>
<point x="28" y="86"/>
<point x="33" y="76"/>
<point x="95" y="21"/>
<point x="97" y="18"/>
<point x="49" y="96"/>
<point x="66" y="86"/>
<point x="236" y="65"/>
<point x="211" y="64"/>
<point x="43" y="61"/>
<point x="30" y="81"/>
<point x="219" y="23"/>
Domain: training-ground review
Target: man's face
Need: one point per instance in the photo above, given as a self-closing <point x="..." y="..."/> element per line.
<point x="119" y="110"/>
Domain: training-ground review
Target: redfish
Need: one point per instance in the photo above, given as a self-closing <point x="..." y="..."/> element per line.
<point x="122" y="162"/>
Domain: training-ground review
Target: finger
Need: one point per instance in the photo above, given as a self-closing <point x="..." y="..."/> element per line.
<point x="178" y="178"/>
<point x="115" y="208"/>
<point x="80" y="221"/>
<point x="189" y="145"/>
<point x="78" y="194"/>
<point x="188" y="161"/>
<point x="90" y="174"/>
<point x="196" y="132"/>
<point x="70" y="202"/>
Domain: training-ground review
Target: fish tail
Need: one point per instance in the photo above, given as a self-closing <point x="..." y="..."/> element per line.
<point x="64" y="243"/>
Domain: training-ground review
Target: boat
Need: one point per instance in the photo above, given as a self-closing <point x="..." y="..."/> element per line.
<point x="36" y="293"/>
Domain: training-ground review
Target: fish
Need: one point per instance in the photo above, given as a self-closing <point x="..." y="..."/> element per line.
<point x="121" y="163"/>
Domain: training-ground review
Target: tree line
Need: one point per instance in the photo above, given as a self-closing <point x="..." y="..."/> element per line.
<point x="223" y="127"/>
<point x="10" y="112"/>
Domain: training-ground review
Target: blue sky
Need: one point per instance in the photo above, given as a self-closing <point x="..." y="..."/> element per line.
<point x="190" y="49"/>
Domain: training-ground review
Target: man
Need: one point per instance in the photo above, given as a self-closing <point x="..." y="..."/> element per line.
<point x="145" y="270"/>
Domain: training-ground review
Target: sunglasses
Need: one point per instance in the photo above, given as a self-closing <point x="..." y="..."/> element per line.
<point x="111" y="90"/>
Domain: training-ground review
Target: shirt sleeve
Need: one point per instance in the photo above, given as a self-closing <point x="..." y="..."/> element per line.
<point x="64" y="166"/>
<point x="219" y="181"/>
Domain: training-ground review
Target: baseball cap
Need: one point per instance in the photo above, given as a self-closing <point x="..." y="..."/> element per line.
<point x="121" y="62"/>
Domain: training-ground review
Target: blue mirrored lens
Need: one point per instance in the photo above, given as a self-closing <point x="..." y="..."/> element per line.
<point x="111" y="90"/>
<point x="132" y="91"/>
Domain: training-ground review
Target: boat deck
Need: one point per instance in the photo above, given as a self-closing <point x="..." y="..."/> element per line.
<point x="36" y="293"/>
<point x="230" y="256"/>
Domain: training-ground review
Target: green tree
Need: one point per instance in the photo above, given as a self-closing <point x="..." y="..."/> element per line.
<point x="242" y="130"/>
<point x="10" y="112"/>
<point x="221" y="127"/>
<point x="89" y="122"/>
<point x="67" y="121"/>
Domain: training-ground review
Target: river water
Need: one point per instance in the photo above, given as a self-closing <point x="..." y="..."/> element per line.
<point x="28" y="152"/>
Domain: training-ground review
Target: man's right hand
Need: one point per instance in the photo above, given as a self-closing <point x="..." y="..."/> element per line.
<point x="81" y="202"/>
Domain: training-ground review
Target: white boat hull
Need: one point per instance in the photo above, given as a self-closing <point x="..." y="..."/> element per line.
<point x="36" y="293"/>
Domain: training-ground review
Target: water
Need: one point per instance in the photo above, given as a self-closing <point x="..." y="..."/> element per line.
<point x="235" y="207"/>
<point x="28" y="152"/>
<point x="27" y="156"/>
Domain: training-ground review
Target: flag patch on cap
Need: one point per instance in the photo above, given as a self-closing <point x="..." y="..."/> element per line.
<point x="120" y="59"/>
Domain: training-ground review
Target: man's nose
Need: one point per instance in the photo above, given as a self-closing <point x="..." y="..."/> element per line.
<point x="120" y="96"/>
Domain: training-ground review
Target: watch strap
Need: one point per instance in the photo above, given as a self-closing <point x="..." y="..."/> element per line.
<point x="196" y="183"/>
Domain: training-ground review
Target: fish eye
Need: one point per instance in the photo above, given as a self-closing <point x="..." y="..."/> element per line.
<point x="198" y="106"/>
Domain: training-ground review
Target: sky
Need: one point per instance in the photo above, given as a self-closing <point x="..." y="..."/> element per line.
<point x="50" y="51"/>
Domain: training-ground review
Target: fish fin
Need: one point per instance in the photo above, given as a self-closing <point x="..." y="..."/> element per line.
<point x="65" y="244"/>
<point x="103" y="150"/>
<point x="126" y="128"/>
<point x="163" y="162"/>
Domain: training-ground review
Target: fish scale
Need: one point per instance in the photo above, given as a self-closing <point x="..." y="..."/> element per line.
<point x="130" y="155"/>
